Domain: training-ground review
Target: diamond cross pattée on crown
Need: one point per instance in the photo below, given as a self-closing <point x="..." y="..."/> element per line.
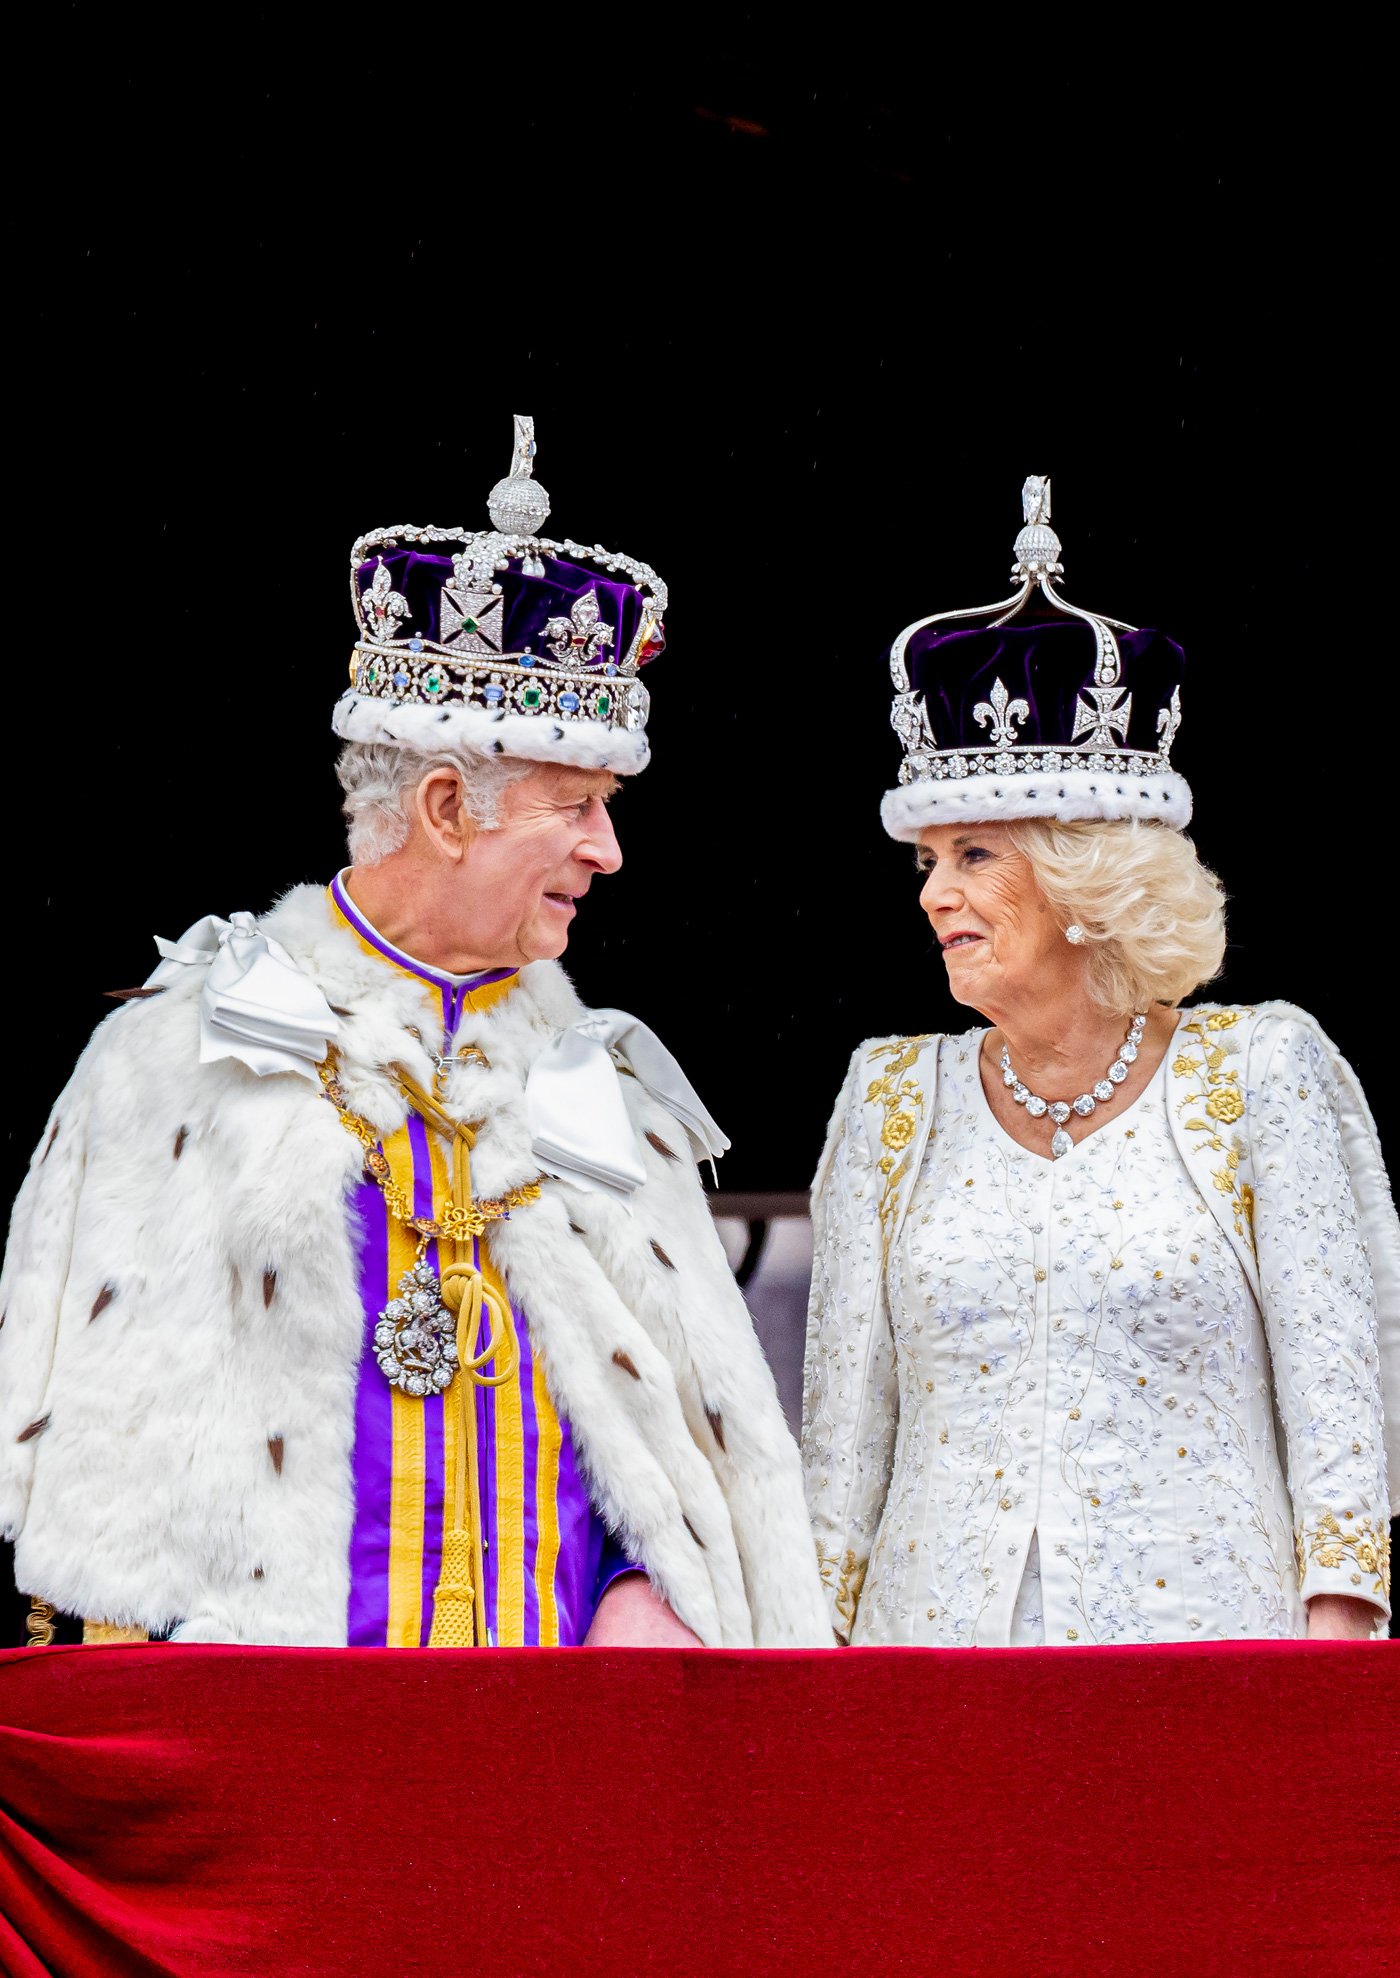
<point x="471" y="609"/>
<point x="584" y="636"/>
<point x="1110" y="712"/>
<point x="1003" y="713"/>
<point x="382" y="605"/>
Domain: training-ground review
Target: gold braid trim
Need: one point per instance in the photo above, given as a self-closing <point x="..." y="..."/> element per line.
<point x="899" y="1099"/>
<point x="1224" y="1106"/>
<point x="40" y="1622"/>
<point x="105" y="1634"/>
<point x="1332" y="1542"/>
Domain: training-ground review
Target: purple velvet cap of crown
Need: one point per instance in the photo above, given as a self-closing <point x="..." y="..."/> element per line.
<point x="528" y="603"/>
<point x="1046" y="660"/>
<point x="1051" y="741"/>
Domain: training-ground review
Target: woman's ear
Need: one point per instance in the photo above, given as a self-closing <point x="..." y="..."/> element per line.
<point x="440" y="806"/>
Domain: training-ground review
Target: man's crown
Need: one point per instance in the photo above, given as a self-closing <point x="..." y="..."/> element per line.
<point x="515" y="644"/>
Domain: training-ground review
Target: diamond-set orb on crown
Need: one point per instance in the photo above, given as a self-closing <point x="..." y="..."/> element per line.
<point x="517" y="506"/>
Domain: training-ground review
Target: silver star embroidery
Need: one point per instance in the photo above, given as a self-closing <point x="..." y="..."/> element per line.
<point x="1102" y="718"/>
<point x="382" y="605"/>
<point x="584" y="636"/>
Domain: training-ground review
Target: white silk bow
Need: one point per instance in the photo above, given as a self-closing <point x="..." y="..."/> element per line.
<point x="259" y="1007"/>
<point x="580" y="1128"/>
<point x="256" y="1004"/>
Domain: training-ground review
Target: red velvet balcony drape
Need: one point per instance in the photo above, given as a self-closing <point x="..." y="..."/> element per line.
<point x="215" y="1810"/>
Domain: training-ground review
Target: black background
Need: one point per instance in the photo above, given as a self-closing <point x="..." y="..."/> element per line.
<point x="794" y="321"/>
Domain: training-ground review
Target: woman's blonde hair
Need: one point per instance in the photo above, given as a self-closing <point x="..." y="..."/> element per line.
<point x="1153" y="915"/>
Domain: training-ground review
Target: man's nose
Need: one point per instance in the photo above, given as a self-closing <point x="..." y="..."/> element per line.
<point x="600" y="848"/>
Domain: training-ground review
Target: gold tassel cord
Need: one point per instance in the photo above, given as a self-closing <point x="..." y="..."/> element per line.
<point x="459" y="1600"/>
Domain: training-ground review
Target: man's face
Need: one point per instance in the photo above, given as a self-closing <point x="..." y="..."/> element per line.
<point x="518" y="886"/>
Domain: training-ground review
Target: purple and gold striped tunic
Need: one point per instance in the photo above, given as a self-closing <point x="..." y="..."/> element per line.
<point x="547" y="1554"/>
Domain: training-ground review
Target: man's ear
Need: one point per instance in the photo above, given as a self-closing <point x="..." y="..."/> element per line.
<point x="440" y="806"/>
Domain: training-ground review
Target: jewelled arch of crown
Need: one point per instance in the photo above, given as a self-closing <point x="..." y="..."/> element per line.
<point x="1101" y="711"/>
<point x="578" y="676"/>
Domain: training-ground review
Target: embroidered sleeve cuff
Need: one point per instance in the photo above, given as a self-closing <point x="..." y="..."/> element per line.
<point x="842" y="1575"/>
<point x="1344" y="1552"/>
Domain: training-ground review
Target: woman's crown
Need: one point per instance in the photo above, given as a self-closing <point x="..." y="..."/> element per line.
<point x="1033" y="707"/>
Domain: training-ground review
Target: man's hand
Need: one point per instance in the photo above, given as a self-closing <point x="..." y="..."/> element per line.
<point x="632" y="1614"/>
<point x="1337" y="1617"/>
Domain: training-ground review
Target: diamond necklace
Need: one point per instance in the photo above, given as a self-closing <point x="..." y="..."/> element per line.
<point x="1058" y="1109"/>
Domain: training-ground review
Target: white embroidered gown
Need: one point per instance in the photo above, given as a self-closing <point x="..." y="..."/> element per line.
<point x="1067" y="1421"/>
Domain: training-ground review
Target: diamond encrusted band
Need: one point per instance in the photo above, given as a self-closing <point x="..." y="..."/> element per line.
<point x="514" y="684"/>
<point x="1022" y="761"/>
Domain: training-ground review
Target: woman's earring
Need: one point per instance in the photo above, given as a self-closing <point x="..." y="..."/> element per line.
<point x="1074" y="933"/>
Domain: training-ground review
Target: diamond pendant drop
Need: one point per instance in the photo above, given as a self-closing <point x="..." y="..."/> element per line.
<point x="1061" y="1144"/>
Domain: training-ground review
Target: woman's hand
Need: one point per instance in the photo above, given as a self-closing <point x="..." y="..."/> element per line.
<point x="632" y="1614"/>
<point x="1337" y="1617"/>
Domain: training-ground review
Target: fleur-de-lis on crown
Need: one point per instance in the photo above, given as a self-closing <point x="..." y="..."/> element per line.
<point x="1003" y="713"/>
<point x="383" y="606"/>
<point x="584" y="636"/>
<point x="1102" y="718"/>
<point x="1168" y="721"/>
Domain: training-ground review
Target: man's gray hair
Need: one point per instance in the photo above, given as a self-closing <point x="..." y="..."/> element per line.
<point x="379" y="779"/>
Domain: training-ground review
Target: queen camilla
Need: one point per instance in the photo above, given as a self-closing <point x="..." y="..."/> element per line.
<point x="1102" y="1288"/>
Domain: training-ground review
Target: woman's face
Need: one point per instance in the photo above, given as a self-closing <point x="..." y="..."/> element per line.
<point x="1001" y="944"/>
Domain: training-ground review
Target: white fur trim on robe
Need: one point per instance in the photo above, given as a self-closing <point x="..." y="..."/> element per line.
<point x="183" y="1328"/>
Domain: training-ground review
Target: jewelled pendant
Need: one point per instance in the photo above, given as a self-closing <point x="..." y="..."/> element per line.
<point x="415" y="1339"/>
